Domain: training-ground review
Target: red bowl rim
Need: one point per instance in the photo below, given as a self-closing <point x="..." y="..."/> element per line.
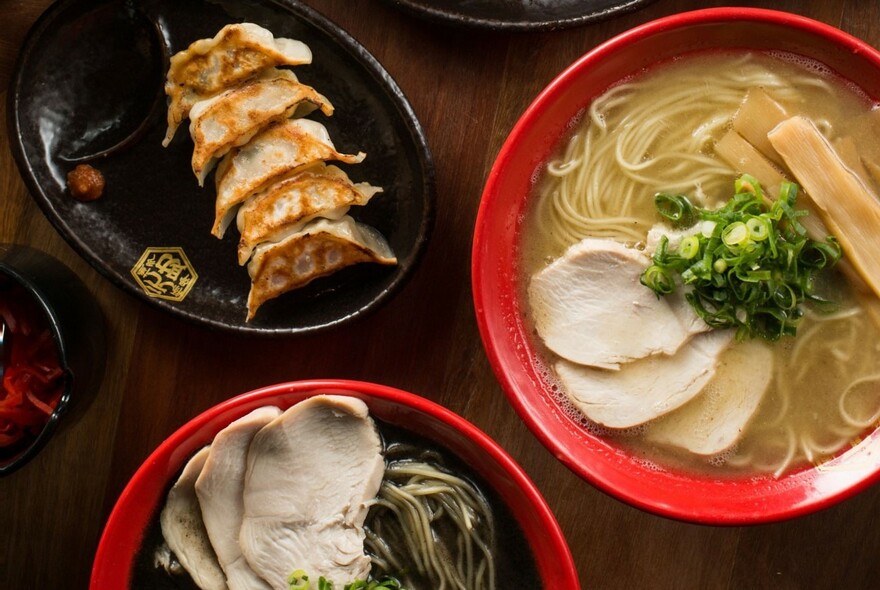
<point x="705" y="501"/>
<point x="135" y="505"/>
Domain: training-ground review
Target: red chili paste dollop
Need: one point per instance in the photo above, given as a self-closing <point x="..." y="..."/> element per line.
<point x="85" y="183"/>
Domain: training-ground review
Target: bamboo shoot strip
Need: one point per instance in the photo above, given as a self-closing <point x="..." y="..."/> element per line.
<point x="756" y="117"/>
<point x="746" y="159"/>
<point x="849" y="209"/>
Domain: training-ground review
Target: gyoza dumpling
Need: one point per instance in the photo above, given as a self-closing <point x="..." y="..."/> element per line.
<point x="279" y="151"/>
<point x="233" y="117"/>
<point x="284" y="207"/>
<point x="210" y="66"/>
<point x="320" y="248"/>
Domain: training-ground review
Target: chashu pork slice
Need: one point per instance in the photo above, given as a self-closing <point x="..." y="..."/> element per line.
<point x="713" y="422"/>
<point x="647" y="388"/>
<point x="590" y="308"/>
<point x="220" y="490"/>
<point x="311" y="474"/>
<point x="184" y="531"/>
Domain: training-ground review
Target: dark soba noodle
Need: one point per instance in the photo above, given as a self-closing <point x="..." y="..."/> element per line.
<point x="433" y="515"/>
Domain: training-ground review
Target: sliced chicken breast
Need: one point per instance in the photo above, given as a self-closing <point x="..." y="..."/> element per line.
<point x="220" y="491"/>
<point x="647" y="388"/>
<point x="590" y="308"/>
<point x="311" y="474"/>
<point x="184" y="531"/>
<point x="713" y="421"/>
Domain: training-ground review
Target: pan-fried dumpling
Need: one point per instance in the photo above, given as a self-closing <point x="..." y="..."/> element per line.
<point x="233" y="117"/>
<point x="281" y="150"/>
<point x="210" y="66"/>
<point x="320" y="248"/>
<point x="284" y="207"/>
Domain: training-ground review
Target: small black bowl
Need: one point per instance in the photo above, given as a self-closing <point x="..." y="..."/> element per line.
<point x="77" y="326"/>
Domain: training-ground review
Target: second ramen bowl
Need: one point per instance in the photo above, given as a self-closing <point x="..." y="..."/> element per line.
<point x="498" y="287"/>
<point x="126" y="541"/>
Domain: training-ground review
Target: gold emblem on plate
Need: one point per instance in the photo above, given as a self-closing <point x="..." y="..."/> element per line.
<point x="165" y="273"/>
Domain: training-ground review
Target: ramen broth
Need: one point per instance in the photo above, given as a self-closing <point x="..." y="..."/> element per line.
<point x="514" y="560"/>
<point x="656" y="132"/>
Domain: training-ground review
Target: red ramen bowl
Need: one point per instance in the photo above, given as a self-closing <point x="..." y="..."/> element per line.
<point x="498" y="287"/>
<point x="125" y="531"/>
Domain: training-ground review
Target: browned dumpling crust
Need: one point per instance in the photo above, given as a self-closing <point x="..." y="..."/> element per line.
<point x="233" y="117"/>
<point x="280" y="151"/>
<point x="321" y="248"/>
<point x="284" y="207"/>
<point x="207" y="67"/>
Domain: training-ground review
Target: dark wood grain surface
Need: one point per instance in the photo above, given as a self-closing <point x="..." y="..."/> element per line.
<point x="468" y="87"/>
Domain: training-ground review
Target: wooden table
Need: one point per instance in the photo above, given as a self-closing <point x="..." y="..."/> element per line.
<point x="468" y="87"/>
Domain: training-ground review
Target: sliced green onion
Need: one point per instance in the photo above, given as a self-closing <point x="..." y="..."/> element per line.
<point x="675" y="208"/>
<point x="759" y="228"/>
<point x="748" y="184"/>
<point x="755" y="276"/>
<point x="298" y="580"/>
<point x="750" y="266"/>
<point x="787" y="193"/>
<point x="821" y="254"/>
<point x="791" y="217"/>
<point x="735" y="234"/>
<point x="689" y="247"/>
<point x="700" y="270"/>
<point x="658" y="279"/>
<point x="785" y="297"/>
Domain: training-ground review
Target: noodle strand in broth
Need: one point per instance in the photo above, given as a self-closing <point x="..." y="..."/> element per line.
<point x="421" y="507"/>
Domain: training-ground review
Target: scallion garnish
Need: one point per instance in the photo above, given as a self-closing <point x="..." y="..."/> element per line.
<point x="675" y="208"/>
<point x="752" y="270"/>
<point x="299" y="580"/>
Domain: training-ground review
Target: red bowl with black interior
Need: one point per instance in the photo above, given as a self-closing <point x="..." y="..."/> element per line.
<point x="500" y="309"/>
<point x="136" y="509"/>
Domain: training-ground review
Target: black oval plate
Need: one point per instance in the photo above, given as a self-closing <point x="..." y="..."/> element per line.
<point x="517" y="15"/>
<point x="88" y="87"/>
